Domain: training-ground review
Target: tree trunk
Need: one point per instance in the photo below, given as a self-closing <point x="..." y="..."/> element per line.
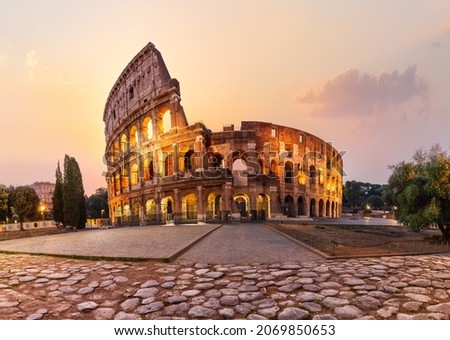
<point x="445" y="230"/>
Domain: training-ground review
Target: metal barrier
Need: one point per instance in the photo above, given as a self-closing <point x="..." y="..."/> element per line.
<point x="334" y="248"/>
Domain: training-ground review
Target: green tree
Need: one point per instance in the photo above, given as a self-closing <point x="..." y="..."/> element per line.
<point x="25" y="202"/>
<point x="4" y="196"/>
<point x="97" y="204"/>
<point x="352" y="190"/>
<point x="58" y="198"/>
<point x="420" y="190"/>
<point x="73" y="194"/>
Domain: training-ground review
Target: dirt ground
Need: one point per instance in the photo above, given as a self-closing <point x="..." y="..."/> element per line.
<point x="354" y="240"/>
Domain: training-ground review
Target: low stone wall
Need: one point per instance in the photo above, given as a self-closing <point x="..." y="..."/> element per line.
<point x="28" y="226"/>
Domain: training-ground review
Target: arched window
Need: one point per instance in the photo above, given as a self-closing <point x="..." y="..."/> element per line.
<point x="131" y="93"/>
<point x="166" y="121"/>
<point x="288" y="172"/>
<point x="312" y="174"/>
<point x="168" y="165"/>
<point x="116" y="149"/>
<point x="147" y="171"/>
<point x="150" y="207"/>
<point x="124" y="179"/>
<point x="273" y="168"/>
<point x="189" y="160"/>
<point x="301" y="206"/>
<point x="124" y="143"/>
<point x="133" y="137"/>
<point x="134" y="174"/>
<point x="147" y="129"/>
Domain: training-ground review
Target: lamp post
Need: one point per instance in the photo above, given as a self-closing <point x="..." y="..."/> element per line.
<point x="42" y="209"/>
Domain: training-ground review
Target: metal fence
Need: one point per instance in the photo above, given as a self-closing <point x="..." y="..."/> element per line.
<point x="367" y="248"/>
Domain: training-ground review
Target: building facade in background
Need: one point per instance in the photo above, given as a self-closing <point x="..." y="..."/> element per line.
<point x="161" y="168"/>
<point x="44" y="190"/>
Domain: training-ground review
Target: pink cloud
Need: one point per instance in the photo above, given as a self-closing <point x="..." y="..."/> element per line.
<point x="353" y="93"/>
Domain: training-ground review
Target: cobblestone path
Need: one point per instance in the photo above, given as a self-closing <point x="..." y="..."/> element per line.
<point x="43" y="287"/>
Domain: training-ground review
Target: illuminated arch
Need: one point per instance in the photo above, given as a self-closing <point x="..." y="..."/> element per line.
<point x="124" y="143"/>
<point x="189" y="207"/>
<point x="134" y="174"/>
<point x="147" y="128"/>
<point x="134" y="137"/>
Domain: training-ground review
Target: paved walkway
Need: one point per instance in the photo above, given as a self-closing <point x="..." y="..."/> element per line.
<point x="247" y="243"/>
<point x="151" y="242"/>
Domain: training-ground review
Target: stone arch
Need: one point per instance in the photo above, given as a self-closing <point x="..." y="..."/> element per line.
<point x="136" y="212"/>
<point x="239" y="170"/>
<point x="327" y="208"/>
<point x="312" y="174"/>
<point x="124" y="143"/>
<point x="134" y="174"/>
<point x="189" y="207"/>
<point x="301" y="206"/>
<point x="168" y="165"/>
<point x="214" y="206"/>
<point x="321" y="208"/>
<point x="150" y="209"/>
<point x="241" y="204"/>
<point x="116" y="149"/>
<point x="273" y="168"/>
<point x="189" y="161"/>
<point x="288" y="172"/>
<point x="147" y="128"/>
<point x="289" y="208"/>
<point x="134" y="137"/>
<point x="148" y="165"/>
<point x="124" y="178"/>
<point x="312" y="208"/>
<point x="117" y="180"/>
<point x="167" y="208"/>
<point x="262" y="206"/>
<point x="166" y="121"/>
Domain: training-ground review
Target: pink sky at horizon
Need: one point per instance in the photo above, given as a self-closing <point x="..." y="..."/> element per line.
<point x="371" y="78"/>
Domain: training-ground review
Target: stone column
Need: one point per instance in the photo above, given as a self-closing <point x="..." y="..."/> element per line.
<point x="201" y="216"/>
<point x="252" y="204"/>
<point x="226" y="201"/>
<point x="274" y="202"/>
<point x="158" y="206"/>
<point x="177" y="212"/>
<point x="175" y="159"/>
<point x="142" y="212"/>
<point x="174" y="107"/>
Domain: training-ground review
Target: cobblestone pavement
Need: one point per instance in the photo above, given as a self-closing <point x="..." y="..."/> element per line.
<point x="44" y="287"/>
<point x="246" y="243"/>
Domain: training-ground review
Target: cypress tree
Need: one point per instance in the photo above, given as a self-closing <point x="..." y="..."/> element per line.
<point x="58" y="200"/>
<point x="73" y="194"/>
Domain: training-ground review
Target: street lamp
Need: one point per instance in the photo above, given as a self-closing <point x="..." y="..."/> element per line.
<point x="42" y="209"/>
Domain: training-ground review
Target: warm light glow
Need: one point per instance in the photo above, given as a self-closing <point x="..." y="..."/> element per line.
<point x="302" y="178"/>
<point x="317" y="77"/>
<point x="166" y="121"/>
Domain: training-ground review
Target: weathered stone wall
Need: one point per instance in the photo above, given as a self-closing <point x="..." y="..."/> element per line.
<point x="161" y="168"/>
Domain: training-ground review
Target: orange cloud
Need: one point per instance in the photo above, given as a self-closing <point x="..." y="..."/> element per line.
<point x="352" y="93"/>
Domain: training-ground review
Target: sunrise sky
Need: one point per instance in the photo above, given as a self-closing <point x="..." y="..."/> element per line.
<point x="371" y="77"/>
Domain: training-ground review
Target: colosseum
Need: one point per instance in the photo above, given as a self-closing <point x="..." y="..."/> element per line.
<point x="161" y="169"/>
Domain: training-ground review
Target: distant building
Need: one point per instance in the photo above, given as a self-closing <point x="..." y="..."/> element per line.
<point x="44" y="190"/>
<point x="161" y="168"/>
